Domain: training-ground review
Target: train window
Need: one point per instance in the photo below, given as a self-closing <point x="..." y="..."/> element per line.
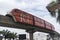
<point x="16" y="10"/>
<point x="41" y="21"/>
<point x="24" y="15"/>
<point x="30" y="17"/>
<point x="27" y="20"/>
<point x="36" y="19"/>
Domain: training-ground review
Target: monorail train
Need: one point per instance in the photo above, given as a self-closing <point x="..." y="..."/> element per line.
<point x="26" y="18"/>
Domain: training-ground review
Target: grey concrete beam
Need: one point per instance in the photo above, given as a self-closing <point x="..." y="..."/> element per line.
<point x="6" y="21"/>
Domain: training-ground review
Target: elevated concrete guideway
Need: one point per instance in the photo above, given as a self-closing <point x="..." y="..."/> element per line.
<point x="6" y="21"/>
<point x="9" y="22"/>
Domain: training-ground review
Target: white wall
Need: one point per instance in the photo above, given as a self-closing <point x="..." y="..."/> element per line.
<point x="40" y="36"/>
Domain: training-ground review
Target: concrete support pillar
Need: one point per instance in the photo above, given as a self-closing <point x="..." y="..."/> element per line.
<point x="31" y="32"/>
<point x="31" y="35"/>
<point x="52" y="36"/>
<point x="48" y="37"/>
<point x="58" y="38"/>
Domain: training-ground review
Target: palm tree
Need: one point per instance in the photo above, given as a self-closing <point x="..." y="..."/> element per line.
<point x="8" y="35"/>
<point x="5" y="32"/>
<point x="52" y="7"/>
<point x="11" y="35"/>
<point x="1" y="35"/>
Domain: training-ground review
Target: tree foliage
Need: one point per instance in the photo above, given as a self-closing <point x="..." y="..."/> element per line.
<point x="53" y="12"/>
<point x="8" y="34"/>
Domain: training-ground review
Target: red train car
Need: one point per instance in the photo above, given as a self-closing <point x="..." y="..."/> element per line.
<point x="26" y="18"/>
<point x="48" y="25"/>
<point x="17" y="15"/>
<point x="21" y="16"/>
<point x="53" y="28"/>
<point x="39" y="22"/>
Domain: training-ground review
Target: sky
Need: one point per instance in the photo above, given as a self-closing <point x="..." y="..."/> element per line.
<point x="34" y="7"/>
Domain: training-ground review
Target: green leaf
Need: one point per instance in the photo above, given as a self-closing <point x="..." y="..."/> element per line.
<point x="53" y="14"/>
